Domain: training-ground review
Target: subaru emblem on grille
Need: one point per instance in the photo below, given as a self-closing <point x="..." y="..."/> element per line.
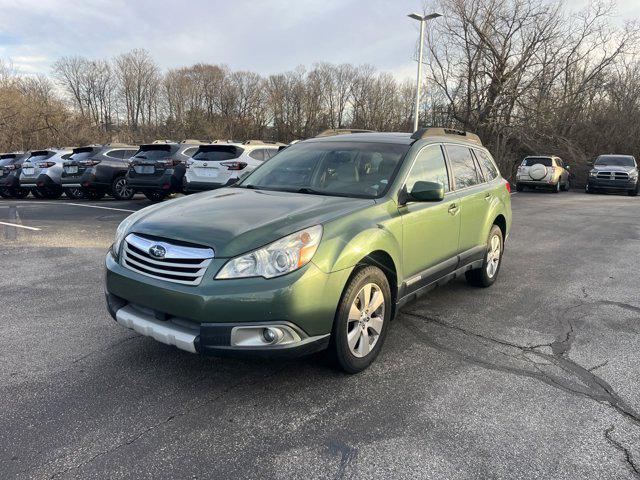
<point x="157" y="251"/>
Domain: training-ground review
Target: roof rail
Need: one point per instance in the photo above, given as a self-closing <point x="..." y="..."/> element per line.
<point x="341" y="131"/>
<point x="163" y="141"/>
<point x="445" y="132"/>
<point x="261" y="142"/>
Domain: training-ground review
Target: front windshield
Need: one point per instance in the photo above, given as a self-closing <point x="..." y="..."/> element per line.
<point x="616" y="161"/>
<point x="346" y="169"/>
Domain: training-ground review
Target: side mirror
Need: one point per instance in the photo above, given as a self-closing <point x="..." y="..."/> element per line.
<point x="427" y="192"/>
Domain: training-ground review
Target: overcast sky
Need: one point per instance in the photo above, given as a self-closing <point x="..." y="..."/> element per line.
<point x="265" y="36"/>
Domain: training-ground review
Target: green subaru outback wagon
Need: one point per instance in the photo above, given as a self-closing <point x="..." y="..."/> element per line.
<point x="315" y="249"/>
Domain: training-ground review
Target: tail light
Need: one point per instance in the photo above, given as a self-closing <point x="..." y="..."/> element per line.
<point x="90" y="163"/>
<point x="46" y="164"/>
<point x="169" y="162"/>
<point x="11" y="167"/>
<point x="234" y="165"/>
<point x="508" y="186"/>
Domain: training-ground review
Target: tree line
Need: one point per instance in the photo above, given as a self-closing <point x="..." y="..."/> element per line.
<point x="529" y="76"/>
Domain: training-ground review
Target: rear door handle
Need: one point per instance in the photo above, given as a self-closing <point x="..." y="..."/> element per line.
<point x="453" y="209"/>
<point x="487" y="196"/>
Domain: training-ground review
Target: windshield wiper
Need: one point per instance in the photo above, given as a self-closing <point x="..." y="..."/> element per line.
<point x="310" y="191"/>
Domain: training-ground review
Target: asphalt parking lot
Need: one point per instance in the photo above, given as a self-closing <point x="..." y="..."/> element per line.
<point x="536" y="377"/>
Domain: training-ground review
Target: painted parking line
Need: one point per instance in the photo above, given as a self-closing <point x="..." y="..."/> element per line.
<point x="20" y="226"/>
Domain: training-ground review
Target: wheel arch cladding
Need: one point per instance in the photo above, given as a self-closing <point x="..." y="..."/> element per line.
<point x="501" y="222"/>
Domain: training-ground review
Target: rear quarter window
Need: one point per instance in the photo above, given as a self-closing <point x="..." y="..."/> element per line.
<point x="487" y="165"/>
<point x="463" y="166"/>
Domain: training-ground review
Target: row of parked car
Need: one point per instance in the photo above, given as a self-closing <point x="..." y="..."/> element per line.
<point x="164" y="167"/>
<point x="158" y="169"/>
<point x="609" y="173"/>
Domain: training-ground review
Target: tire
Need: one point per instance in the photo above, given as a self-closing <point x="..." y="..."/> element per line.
<point x="74" y="193"/>
<point x="567" y="186"/>
<point x="351" y="321"/>
<point x="485" y="276"/>
<point x="94" y="194"/>
<point x="634" y="192"/>
<point x="556" y="188"/>
<point x="4" y="193"/>
<point x="36" y="193"/>
<point x="120" y="189"/>
<point x="17" y="192"/>
<point x="519" y="187"/>
<point x="155" y="196"/>
<point x="51" y="193"/>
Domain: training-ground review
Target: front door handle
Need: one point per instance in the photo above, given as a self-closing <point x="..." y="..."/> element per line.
<point x="453" y="208"/>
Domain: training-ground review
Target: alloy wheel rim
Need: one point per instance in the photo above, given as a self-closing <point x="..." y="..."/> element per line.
<point x="366" y="318"/>
<point x="493" y="256"/>
<point x="122" y="188"/>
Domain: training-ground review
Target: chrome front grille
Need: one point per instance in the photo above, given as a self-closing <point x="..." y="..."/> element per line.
<point x="178" y="264"/>
<point x="613" y="175"/>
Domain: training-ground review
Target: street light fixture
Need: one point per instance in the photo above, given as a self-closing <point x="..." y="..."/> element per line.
<point x="422" y="19"/>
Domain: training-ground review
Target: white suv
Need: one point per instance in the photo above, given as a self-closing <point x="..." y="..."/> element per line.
<point x="222" y="163"/>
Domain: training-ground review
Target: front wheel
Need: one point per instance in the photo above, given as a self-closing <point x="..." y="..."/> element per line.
<point x="634" y="192"/>
<point x="362" y="320"/>
<point x="36" y="193"/>
<point x="155" y="196"/>
<point x="567" y="186"/>
<point x="4" y="193"/>
<point x="556" y="188"/>
<point x="120" y="189"/>
<point x="486" y="275"/>
<point x="519" y="187"/>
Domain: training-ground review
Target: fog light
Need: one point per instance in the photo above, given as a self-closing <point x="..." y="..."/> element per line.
<point x="269" y="335"/>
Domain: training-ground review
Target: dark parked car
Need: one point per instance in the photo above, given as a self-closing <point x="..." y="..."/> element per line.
<point x="10" y="165"/>
<point x="614" y="172"/>
<point x="96" y="170"/>
<point x="157" y="169"/>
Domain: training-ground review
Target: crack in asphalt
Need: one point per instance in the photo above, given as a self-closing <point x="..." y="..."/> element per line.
<point x="554" y="369"/>
<point x="627" y="453"/>
<point x="137" y="436"/>
<point x="347" y="455"/>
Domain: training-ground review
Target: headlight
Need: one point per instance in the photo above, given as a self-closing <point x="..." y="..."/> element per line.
<point x="593" y="173"/>
<point x="278" y="258"/>
<point x="121" y="232"/>
<point x="633" y="175"/>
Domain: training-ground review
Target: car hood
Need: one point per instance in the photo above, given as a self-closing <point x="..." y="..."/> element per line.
<point x="233" y="221"/>
<point x="613" y="168"/>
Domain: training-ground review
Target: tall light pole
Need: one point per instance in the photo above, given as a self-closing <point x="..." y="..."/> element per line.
<point x="422" y="19"/>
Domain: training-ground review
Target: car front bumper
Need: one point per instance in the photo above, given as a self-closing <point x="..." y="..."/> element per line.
<point x="202" y="318"/>
<point x="612" y="184"/>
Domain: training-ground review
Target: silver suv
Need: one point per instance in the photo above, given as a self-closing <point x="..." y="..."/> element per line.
<point x="547" y="172"/>
<point x="42" y="171"/>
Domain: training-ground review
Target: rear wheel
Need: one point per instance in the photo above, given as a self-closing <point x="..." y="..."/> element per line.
<point x="155" y="196"/>
<point x="16" y="192"/>
<point x="51" y="193"/>
<point x="4" y="193"/>
<point x="519" y="187"/>
<point x="94" y="194"/>
<point x="74" y="193"/>
<point x="36" y="193"/>
<point x="120" y="189"/>
<point x="362" y="320"/>
<point x="486" y="275"/>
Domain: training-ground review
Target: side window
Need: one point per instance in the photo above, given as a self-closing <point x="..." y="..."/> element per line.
<point x="190" y="151"/>
<point x="559" y="162"/>
<point x="269" y="152"/>
<point x="464" y="169"/>
<point x="258" y="154"/>
<point x="486" y="164"/>
<point x="127" y="154"/>
<point x="114" y="154"/>
<point x="429" y="167"/>
<point x="66" y="156"/>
